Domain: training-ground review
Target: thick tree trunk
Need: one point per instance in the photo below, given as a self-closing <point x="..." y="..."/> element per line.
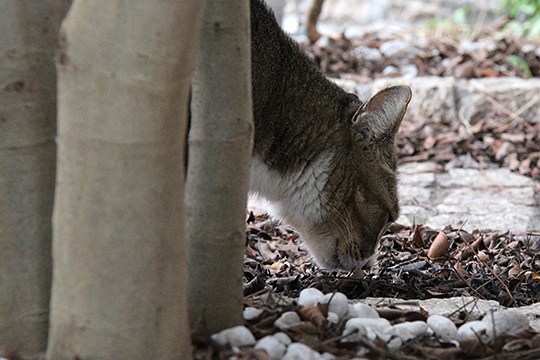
<point x="28" y="33"/>
<point x="220" y="153"/>
<point x="119" y="251"/>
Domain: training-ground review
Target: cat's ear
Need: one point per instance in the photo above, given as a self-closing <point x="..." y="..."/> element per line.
<point x="379" y="118"/>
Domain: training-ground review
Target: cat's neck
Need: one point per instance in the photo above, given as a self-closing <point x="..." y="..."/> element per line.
<point x="294" y="196"/>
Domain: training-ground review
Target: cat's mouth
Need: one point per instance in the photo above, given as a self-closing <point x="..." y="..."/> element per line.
<point x="349" y="264"/>
<point x="327" y="255"/>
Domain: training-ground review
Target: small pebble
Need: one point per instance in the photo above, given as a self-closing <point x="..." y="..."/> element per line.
<point x="443" y="328"/>
<point x="328" y="356"/>
<point x="394" y="344"/>
<point x="299" y="351"/>
<point x="368" y="54"/>
<point x="390" y="70"/>
<point x="283" y="338"/>
<point x="310" y="296"/>
<point x="338" y="303"/>
<point x="332" y="317"/>
<point x="251" y="313"/>
<point x="365" y="328"/>
<point x="362" y="310"/>
<point x="506" y="323"/>
<point x="397" y="49"/>
<point x="408" y="330"/>
<point x="470" y="334"/>
<point x="287" y="320"/>
<point x="273" y="347"/>
<point x="235" y="336"/>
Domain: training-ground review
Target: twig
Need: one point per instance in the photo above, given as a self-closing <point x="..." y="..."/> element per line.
<point x="513" y="301"/>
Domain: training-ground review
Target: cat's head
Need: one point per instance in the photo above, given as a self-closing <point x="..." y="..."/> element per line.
<point x="359" y="199"/>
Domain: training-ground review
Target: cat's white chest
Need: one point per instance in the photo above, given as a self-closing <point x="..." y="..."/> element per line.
<point x="297" y="195"/>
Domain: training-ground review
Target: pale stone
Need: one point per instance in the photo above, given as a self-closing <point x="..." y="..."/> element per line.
<point x="443" y="328"/>
<point x="287" y="320"/>
<point x="251" y="313"/>
<point x="369" y="328"/>
<point x="514" y="95"/>
<point x="407" y="331"/>
<point x="283" y="338"/>
<point x="299" y="351"/>
<point x="311" y="296"/>
<point x="361" y="310"/>
<point x="273" y="347"/>
<point x="332" y="317"/>
<point x="235" y="336"/>
<point x="337" y="303"/>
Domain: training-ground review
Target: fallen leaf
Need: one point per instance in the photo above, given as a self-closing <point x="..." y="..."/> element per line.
<point x="439" y="247"/>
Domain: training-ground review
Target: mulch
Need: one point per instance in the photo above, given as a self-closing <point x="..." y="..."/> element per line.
<point x="413" y="264"/>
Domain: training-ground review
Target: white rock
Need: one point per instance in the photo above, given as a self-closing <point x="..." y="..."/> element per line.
<point x="310" y="296"/>
<point x="510" y="322"/>
<point x="332" y="317"/>
<point x="527" y="48"/>
<point x="367" y="54"/>
<point x="218" y="338"/>
<point x="299" y="351"/>
<point x="282" y="338"/>
<point x="337" y="303"/>
<point x="328" y="356"/>
<point x="273" y="347"/>
<point x="394" y="344"/>
<point x="365" y="328"/>
<point x="287" y="319"/>
<point x="235" y="336"/>
<point x="390" y="70"/>
<point x="397" y="49"/>
<point x="251" y="313"/>
<point x="443" y="328"/>
<point x="408" y="330"/>
<point x="470" y="334"/>
<point x="351" y="312"/>
<point x="469" y="47"/>
<point x="362" y="310"/>
<point x="409" y="70"/>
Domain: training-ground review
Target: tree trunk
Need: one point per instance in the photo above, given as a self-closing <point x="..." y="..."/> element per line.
<point x="218" y="176"/>
<point x="312" y="17"/>
<point x="119" y="250"/>
<point x="28" y="33"/>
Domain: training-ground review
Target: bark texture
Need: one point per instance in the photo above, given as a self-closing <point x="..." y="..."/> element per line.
<point x="219" y="158"/>
<point x="28" y="33"/>
<point x="119" y="250"/>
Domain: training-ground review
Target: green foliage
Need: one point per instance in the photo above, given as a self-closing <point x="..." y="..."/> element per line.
<point x="525" y="15"/>
<point x="519" y="62"/>
<point x="461" y="15"/>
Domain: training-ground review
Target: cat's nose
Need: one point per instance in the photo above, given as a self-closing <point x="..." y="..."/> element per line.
<point x="351" y="264"/>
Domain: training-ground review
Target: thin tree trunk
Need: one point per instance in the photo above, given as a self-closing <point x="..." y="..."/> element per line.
<point x="119" y="250"/>
<point x="312" y="17"/>
<point x="28" y="33"/>
<point x="218" y="176"/>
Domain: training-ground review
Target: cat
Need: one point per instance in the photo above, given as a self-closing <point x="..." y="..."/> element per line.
<point x="324" y="160"/>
